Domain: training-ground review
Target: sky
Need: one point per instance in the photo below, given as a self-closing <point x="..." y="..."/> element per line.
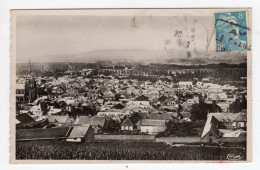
<point x="46" y="36"/>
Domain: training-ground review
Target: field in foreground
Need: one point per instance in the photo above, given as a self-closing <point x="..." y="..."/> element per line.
<point x="61" y="150"/>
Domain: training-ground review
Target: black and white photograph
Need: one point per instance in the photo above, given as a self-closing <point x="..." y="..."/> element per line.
<point x="167" y="85"/>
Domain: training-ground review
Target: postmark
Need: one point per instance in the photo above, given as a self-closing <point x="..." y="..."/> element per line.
<point x="184" y="36"/>
<point x="231" y="31"/>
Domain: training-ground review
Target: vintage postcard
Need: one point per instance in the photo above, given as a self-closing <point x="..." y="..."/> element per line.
<point x="131" y="85"/>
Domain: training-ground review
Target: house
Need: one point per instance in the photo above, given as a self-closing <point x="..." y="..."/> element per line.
<point x="231" y="120"/>
<point x="115" y="112"/>
<point x="95" y="122"/>
<point x="169" y="108"/>
<point x="109" y="95"/>
<point x="170" y="101"/>
<point x="92" y="94"/>
<point x="142" y="98"/>
<point x="60" y="120"/>
<point x="160" y="100"/>
<point x="212" y="97"/>
<point x="73" y="105"/>
<point x="224" y="127"/>
<point x="53" y="110"/>
<point x="20" y="91"/>
<point x="184" y="116"/>
<point x="69" y="100"/>
<point x="83" y="133"/>
<point x="151" y="126"/>
<point x="222" y="96"/>
<point x="224" y="106"/>
<point x="210" y="131"/>
<point x="86" y="72"/>
<point x="140" y="102"/>
<point x="118" y="106"/>
<point x="71" y="92"/>
<point x="152" y="94"/>
<point x="127" y="125"/>
<point x="100" y="101"/>
<point x="24" y="120"/>
<point x="191" y="101"/>
<point x="38" y="110"/>
<point x="159" y="116"/>
<point x="185" y="83"/>
<point x="228" y="133"/>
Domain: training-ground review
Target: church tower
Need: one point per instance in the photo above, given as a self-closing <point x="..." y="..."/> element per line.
<point x="30" y="87"/>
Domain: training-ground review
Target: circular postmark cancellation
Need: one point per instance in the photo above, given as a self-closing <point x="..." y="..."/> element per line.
<point x="186" y="36"/>
<point x="231" y="31"/>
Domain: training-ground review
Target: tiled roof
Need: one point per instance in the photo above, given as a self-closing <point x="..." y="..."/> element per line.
<point x="162" y="98"/>
<point x="78" y="131"/>
<point x="210" y="126"/>
<point x="58" y="118"/>
<point x="118" y="106"/>
<point x="90" y="120"/>
<point x="127" y="122"/>
<point x="142" y="98"/>
<point x="162" y="116"/>
<point x="143" y="115"/>
<point x="185" y="114"/>
<point x="25" y="118"/>
<point x="227" y="116"/>
<point x="75" y="104"/>
<point x="150" y="122"/>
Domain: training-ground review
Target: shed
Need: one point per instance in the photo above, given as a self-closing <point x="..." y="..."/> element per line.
<point x="82" y="133"/>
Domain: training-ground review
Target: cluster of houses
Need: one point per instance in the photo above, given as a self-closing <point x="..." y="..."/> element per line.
<point x="140" y="106"/>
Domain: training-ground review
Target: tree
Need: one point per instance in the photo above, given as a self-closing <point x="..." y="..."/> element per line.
<point x="75" y="113"/>
<point x="239" y="105"/>
<point x="112" y="126"/>
<point x="200" y="111"/>
<point x="89" y="110"/>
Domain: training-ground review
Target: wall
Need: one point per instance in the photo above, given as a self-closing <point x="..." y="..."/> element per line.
<point x="89" y="137"/>
<point x="189" y="139"/>
<point x="194" y="139"/>
<point x="153" y="129"/>
<point x="124" y="137"/>
<point x="42" y="133"/>
<point x="224" y="139"/>
<point x="238" y="139"/>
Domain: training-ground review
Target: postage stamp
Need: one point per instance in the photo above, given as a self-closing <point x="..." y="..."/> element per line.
<point x="231" y="31"/>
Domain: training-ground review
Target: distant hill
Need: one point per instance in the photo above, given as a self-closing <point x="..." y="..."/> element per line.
<point x="145" y="56"/>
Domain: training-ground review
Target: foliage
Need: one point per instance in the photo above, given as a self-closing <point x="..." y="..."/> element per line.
<point x="239" y="105"/>
<point x="112" y="126"/>
<point x="183" y="129"/>
<point x="199" y="111"/>
<point x="60" y="150"/>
